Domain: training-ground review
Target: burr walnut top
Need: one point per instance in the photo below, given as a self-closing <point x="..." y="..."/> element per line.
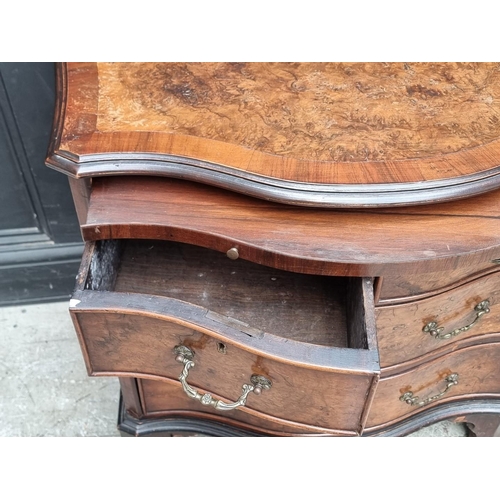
<point x="321" y="134"/>
<point x="309" y="111"/>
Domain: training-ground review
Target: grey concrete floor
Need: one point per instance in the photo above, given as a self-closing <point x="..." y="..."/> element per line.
<point x="44" y="387"/>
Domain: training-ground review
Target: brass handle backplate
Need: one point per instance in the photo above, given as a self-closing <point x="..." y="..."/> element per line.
<point x="412" y="400"/>
<point x="185" y="355"/>
<point x="436" y="331"/>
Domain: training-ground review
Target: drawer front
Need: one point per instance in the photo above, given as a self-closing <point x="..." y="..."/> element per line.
<point x="163" y="399"/>
<point x="469" y="372"/>
<point x="408" y="331"/>
<point x="411" y="287"/>
<point x="306" y="390"/>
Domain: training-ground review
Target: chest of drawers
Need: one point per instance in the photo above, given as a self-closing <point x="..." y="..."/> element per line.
<point x="239" y="287"/>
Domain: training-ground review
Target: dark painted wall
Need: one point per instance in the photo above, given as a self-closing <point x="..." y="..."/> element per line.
<point x="40" y="242"/>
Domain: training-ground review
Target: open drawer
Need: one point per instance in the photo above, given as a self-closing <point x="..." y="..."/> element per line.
<point x="238" y="338"/>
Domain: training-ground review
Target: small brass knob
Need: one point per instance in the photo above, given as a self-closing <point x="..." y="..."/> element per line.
<point x="233" y="253"/>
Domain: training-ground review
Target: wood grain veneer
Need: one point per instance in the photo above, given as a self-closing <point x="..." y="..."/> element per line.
<point x="378" y="242"/>
<point x="320" y="134"/>
<point x="322" y="381"/>
<point x="309" y="111"/>
<point x="399" y="327"/>
<point x="412" y="287"/>
<point x="163" y="399"/>
<point x="121" y="344"/>
<point x="477" y="367"/>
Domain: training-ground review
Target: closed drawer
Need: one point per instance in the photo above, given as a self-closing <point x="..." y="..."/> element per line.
<point x="408" y="288"/>
<point x="469" y="372"/>
<point x="306" y="343"/>
<point x="163" y="400"/>
<point x="409" y="331"/>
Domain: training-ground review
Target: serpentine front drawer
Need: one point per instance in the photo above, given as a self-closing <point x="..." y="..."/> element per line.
<point x="234" y="338"/>
<point x="471" y="371"/>
<point x="409" y="331"/>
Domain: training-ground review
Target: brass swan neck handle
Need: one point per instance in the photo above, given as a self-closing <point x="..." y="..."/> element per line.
<point x="436" y="331"/>
<point x="185" y="355"/>
<point x="412" y="400"/>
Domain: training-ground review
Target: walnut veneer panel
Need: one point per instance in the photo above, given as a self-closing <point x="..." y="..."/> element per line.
<point x="163" y="399"/>
<point x="400" y="328"/>
<point x="477" y="369"/>
<point x="321" y="134"/>
<point x="411" y="287"/>
<point x="316" y="387"/>
<point x="320" y="111"/>
<point x="141" y="346"/>
<point x="440" y="238"/>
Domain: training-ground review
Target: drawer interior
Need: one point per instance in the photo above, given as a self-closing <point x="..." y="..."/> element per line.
<point x="321" y="310"/>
